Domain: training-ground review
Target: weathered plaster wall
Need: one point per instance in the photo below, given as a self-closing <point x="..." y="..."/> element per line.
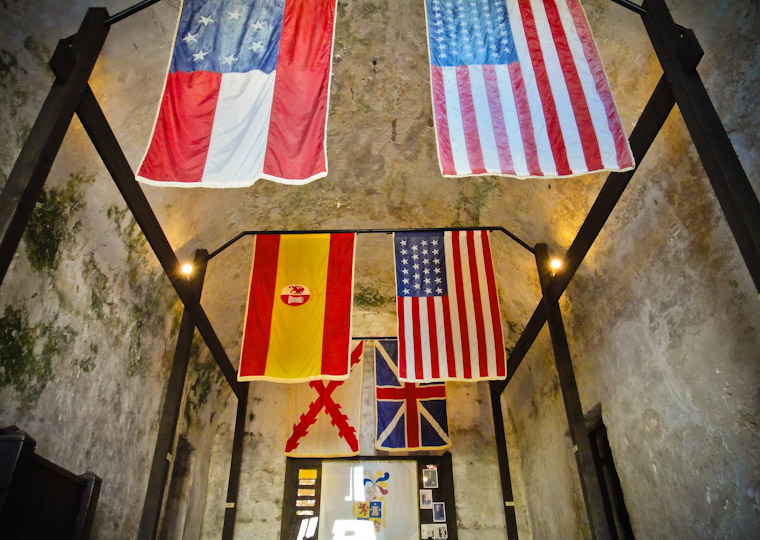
<point x="661" y="317"/>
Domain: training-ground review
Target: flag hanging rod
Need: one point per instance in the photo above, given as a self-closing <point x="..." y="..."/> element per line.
<point x="372" y="231"/>
<point x="374" y="338"/>
<point x="627" y="4"/>
<point x="123" y="14"/>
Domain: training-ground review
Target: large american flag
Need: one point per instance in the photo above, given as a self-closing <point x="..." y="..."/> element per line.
<point x="246" y="95"/>
<point x="519" y="89"/>
<point x="449" y="325"/>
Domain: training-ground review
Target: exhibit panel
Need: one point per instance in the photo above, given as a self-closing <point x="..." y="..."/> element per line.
<point x="369" y="498"/>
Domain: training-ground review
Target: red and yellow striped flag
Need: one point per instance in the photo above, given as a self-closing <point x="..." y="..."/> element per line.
<point x="298" y="319"/>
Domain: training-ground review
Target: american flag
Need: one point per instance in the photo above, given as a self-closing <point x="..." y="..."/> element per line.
<point x="245" y="96"/>
<point x="449" y="324"/>
<point x="519" y="89"/>
<point x="409" y="416"/>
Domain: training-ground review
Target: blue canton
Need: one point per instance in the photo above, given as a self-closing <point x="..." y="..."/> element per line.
<point x="469" y="32"/>
<point x="228" y="36"/>
<point x="420" y="264"/>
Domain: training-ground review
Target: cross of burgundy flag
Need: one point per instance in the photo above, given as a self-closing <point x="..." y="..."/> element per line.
<point x="245" y="96"/>
<point x="449" y="323"/>
<point x="325" y="414"/>
<point x="298" y="318"/>
<point x="409" y="416"/>
<point x="519" y="89"/>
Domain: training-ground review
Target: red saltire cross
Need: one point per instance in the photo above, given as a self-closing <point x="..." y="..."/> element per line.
<point x="324" y="400"/>
<point x="410" y="393"/>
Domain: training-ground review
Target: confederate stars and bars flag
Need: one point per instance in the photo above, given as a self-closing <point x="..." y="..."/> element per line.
<point x="449" y="323"/>
<point x="246" y="95"/>
<point x="409" y="416"/>
<point x="324" y="415"/>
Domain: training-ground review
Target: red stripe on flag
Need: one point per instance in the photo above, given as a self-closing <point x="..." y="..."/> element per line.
<point x="525" y="118"/>
<point x="417" y="338"/>
<point x="402" y="372"/>
<point x="441" y="121"/>
<point x="469" y="121"/>
<point x="480" y="327"/>
<point x="412" y="419"/>
<point x="578" y="101"/>
<point x="433" y="338"/>
<point x="182" y="134"/>
<point x="624" y="157"/>
<point x="461" y="309"/>
<point x="407" y="390"/>
<point x="544" y="89"/>
<point x="336" y="335"/>
<point x="493" y="299"/>
<point x="497" y="119"/>
<point x="261" y="297"/>
<point x="295" y="147"/>
<point x="450" y="360"/>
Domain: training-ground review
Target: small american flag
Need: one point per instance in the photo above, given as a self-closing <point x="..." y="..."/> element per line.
<point x="519" y="89"/>
<point x="449" y="324"/>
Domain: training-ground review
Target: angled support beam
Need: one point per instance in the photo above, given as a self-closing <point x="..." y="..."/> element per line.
<point x="72" y="65"/>
<point x="651" y="121"/>
<point x="501" y="451"/>
<point x="230" y="508"/>
<point x="584" y="459"/>
<point x="97" y="127"/>
<point x="167" y="425"/>
<point x="729" y="181"/>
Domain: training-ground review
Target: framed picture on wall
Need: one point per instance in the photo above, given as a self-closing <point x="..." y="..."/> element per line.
<point x="439" y="512"/>
<point x="430" y="478"/>
<point x="426" y="499"/>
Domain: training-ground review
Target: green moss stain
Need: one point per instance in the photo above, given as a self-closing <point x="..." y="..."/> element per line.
<point x="38" y="50"/>
<point x="370" y="8"/>
<point x="12" y="76"/>
<point x="177" y="310"/>
<point x="470" y="204"/>
<point x="52" y="224"/>
<point x="26" y="353"/>
<point x="87" y="364"/>
<point x="153" y="293"/>
<point x="98" y="282"/>
<point x="367" y="296"/>
<point x="206" y="377"/>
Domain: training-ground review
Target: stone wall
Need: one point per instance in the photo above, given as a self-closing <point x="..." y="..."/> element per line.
<point x="662" y="318"/>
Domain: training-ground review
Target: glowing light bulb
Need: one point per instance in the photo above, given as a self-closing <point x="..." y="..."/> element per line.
<point x="187" y="269"/>
<point x="556" y="264"/>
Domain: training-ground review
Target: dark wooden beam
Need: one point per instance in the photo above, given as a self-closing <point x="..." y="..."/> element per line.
<point x="97" y="127"/>
<point x="230" y="509"/>
<point x="24" y="185"/>
<point x="503" y="456"/>
<point x="167" y="425"/>
<point x="651" y="121"/>
<point x="584" y="459"/>
<point x="729" y="181"/>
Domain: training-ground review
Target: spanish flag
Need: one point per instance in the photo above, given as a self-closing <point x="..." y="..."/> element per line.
<point x="298" y="319"/>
